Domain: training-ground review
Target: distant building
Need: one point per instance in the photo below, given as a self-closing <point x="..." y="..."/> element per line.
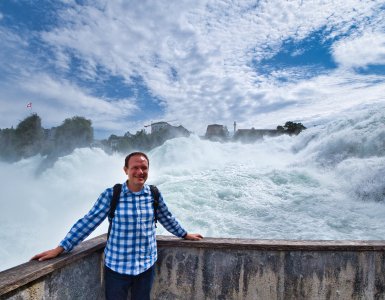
<point x="128" y="134"/>
<point x="169" y="130"/>
<point x="113" y="141"/>
<point x="216" y="132"/>
<point x="159" y="126"/>
<point x="49" y="134"/>
<point x="97" y="144"/>
<point x="251" y="135"/>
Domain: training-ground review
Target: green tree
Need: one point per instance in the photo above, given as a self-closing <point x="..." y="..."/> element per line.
<point x="140" y="140"/>
<point x="8" y="145"/>
<point x="291" y="128"/>
<point x="29" y="136"/>
<point x="75" y="132"/>
<point x="294" y="128"/>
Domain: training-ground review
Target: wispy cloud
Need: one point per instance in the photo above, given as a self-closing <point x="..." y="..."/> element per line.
<point x="59" y="99"/>
<point x="201" y="65"/>
<point x="361" y="51"/>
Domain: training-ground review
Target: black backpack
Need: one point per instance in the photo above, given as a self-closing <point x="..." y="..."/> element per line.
<point x="115" y="199"/>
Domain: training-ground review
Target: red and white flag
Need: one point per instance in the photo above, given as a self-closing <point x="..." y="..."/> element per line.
<point x="29" y="105"/>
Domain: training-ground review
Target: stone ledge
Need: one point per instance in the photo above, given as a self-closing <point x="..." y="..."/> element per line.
<point x="21" y="275"/>
<point x="274" y="245"/>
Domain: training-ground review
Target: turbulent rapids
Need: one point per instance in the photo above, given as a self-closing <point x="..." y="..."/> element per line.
<point x="326" y="183"/>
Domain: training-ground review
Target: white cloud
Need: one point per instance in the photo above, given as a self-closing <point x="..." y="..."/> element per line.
<point x="198" y="62"/>
<point x="361" y="51"/>
<point x="54" y="100"/>
<point x="308" y="100"/>
<point x="12" y="51"/>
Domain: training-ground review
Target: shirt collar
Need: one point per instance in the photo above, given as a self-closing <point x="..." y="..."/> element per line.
<point x="145" y="190"/>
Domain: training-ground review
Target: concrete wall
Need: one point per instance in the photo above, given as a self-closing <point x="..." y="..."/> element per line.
<point x="77" y="275"/>
<point x="80" y="280"/>
<point x="232" y="274"/>
<point x="219" y="269"/>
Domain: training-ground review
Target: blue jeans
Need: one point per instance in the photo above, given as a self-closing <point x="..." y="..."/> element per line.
<point x="117" y="285"/>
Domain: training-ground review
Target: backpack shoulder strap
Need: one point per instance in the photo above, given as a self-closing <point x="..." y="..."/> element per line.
<point x="114" y="202"/>
<point x="155" y="196"/>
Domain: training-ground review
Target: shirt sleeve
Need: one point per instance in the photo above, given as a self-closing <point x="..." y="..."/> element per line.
<point x="84" y="226"/>
<point x="168" y="220"/>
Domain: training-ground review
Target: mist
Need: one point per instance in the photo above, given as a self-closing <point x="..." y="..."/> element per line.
<point x="326" y="183"/>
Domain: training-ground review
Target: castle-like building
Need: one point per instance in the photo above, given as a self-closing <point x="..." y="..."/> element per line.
<point x="217" y="132"/>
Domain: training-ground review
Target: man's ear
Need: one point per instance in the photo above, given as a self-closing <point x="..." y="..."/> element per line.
<point x="125" y="169"/>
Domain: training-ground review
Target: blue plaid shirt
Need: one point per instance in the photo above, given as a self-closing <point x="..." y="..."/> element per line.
<point x="131" y="247"/>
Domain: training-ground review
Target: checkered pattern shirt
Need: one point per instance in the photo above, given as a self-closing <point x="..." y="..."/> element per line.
<point x="131" y="247"/>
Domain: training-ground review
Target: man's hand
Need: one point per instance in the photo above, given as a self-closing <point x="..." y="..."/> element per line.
<point x="48" y="254"/>
<point x="193" y="237"/>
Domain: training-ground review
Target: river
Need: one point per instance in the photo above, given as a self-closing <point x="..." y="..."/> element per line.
<point x="326" y="183"/>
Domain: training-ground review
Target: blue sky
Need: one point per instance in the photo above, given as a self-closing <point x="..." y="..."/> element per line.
<point x="124" y="64"/>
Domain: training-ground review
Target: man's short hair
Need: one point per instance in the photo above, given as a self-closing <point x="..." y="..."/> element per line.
<point x="135" y="154"/>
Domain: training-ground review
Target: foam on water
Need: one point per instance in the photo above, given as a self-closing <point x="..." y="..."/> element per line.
<point x="326" y="183"/>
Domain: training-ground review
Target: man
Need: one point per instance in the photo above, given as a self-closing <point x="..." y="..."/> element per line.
<point x="130" y="253"/>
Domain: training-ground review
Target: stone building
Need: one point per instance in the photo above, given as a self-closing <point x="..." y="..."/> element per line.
<point x="159" y="126"/>
<point x="251" y="135"/>
<point x="216" y="132"/>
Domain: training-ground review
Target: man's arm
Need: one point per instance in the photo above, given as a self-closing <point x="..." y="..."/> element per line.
<point x="172" y="225"/>
<point x="193" y="236"/>
<point x="82" y="228"/>
<point x="48" y="254"/>
<point x="86" y="225"/>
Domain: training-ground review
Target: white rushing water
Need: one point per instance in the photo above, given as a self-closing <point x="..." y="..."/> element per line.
<point x="326" y="183"/>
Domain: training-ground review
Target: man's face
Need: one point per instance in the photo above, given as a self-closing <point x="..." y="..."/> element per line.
<point x="137" y="171"/>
